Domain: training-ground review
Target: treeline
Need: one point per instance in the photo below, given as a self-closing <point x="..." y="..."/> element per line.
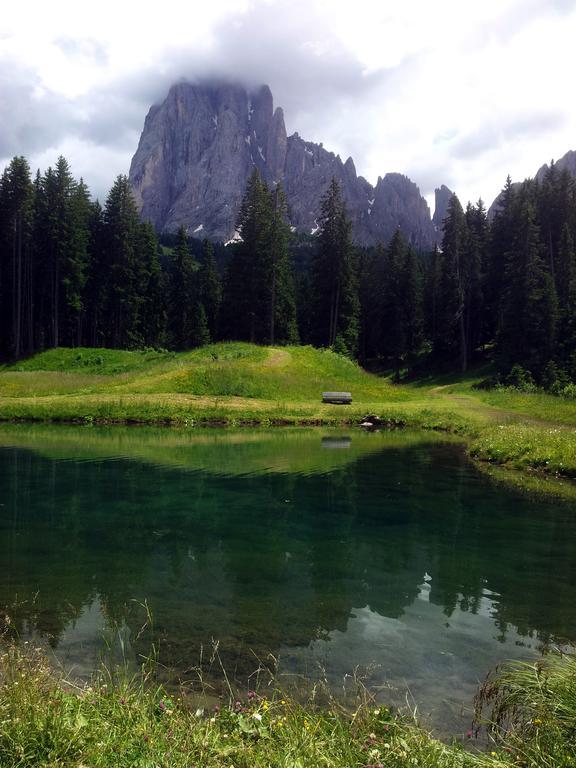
<point x="75" y="273"/>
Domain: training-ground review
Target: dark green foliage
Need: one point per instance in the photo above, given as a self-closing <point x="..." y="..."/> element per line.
<point x="183" y="287"/>
<point x="74" y="274"/>
<point x="336" y="306"/>
<point x="529" y="305"/>
<point x="259" y="302"/>
<point x="210" y="288"/>
<point x="123" y="300"/>
<point x="16" y="208"/>
<point x="451" y="339"/>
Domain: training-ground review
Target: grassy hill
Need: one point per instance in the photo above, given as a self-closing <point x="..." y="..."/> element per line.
<point x="217" y="381"/>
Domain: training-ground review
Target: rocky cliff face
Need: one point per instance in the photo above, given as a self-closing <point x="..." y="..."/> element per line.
<point x="200" y="145"/>
<point x="442" y="197"/>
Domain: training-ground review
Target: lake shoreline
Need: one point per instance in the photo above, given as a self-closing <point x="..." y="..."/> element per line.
<point x="476" y="439"/>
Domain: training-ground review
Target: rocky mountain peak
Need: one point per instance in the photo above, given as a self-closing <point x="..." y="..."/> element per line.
<point x="200" y="145"/>
<point x="442" y="197"/>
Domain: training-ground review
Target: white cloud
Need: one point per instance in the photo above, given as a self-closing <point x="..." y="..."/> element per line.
<point x="450" y="92"/>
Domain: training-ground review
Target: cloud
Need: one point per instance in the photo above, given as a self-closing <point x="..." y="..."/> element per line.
<point x="448" y="92"/>
<point x="490" y="136"/>
<point x="31" y="116"/>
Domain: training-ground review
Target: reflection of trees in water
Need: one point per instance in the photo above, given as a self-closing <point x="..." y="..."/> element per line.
<point x="261" y="562"/>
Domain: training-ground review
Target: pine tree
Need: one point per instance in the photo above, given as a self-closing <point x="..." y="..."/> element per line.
<point x="246" y="311"/>
<point x="259" y="298"/>
<point x="475" y="267"/>
<point x="210" y="288"/>
<point x="78" y="212"/>
<point x="335" y="287"/>
<point x="566" y="282"/>
<point x="529" y="316"/>
<point x="451" y="339"/>
<point x="182" y="316"/>
<point x="412" y="312"/>
<point x="16" y="208"/>
<point x="500" y="243"/>
<point x="153" y="313"/>
<point x="96" y="280"/>
<point x="392" y="328"/>
<point x="123" y="301"/>
<point x="283" y="326"/>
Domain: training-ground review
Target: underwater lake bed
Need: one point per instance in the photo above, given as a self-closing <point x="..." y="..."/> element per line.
<point x="335" y="552"/>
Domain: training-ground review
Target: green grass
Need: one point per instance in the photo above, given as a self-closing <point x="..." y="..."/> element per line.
<point x="527" y="446"/>
<point x="118" y="721"/>
<point x="103" y="362"/>
<point x="243" y="384"/>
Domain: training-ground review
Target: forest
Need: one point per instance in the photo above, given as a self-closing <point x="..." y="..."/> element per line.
<point x="499" y="288"/>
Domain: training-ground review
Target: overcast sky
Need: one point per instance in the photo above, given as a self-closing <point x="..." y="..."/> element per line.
<point x="458" y="92"/>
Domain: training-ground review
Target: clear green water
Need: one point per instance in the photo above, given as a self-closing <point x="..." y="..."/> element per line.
<point x="389" y="552"/>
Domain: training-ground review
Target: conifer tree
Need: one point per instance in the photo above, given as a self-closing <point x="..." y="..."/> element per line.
<point x="392" y="328"/>
<point x="123" y="301"/>
<point x="412" y="313"/>
<point x="259" y="300"/>
<point x="529" y="317"/>
<point x="451" y="337"/>
<point x="16" y="208"/>
<point x="283" y="327"/>
<point x="566" y="282"/>
<point x="210" y="288"/>
<point x="181" y="313"/>
<point x="335" y="287"/>
<point x="246" y="311"/>
<point x="153" y="314"/>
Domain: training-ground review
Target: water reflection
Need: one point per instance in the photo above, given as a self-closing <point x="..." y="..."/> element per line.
<point x="393" y="552"/>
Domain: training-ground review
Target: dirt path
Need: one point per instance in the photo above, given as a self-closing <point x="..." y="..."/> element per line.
<point x="494" y="414"/>
<point x="277" y="357"/>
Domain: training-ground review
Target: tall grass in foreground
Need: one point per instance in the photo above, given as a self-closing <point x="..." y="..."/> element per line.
<point x="117" y="721"/>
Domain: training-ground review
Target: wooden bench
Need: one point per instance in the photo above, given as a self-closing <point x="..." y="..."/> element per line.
<point x="337" y="398"/>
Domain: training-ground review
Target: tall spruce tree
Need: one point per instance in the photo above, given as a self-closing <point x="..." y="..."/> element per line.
<point x="210" y="288"/>
<point x="16" y="210"/>
<point x="181" y="311"/>
<point x="335" y="287"/>
<point x="528" y="328"/>
<point x="451" y="340"/>
<point x="283" y="327"/>
<point x="259" y="298"/>
<point x="566" y="282"/>
<point x="152" y="325"/>
<point x="123" y="300"/>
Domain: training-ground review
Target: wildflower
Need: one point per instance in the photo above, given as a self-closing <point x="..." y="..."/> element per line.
<point x="257" y="716"/>
<point x="469" y="733"/>
<point x="537" y="721"/>
<point x="251" y="695"/>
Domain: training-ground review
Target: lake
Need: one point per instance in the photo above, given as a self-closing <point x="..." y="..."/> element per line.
<point x="389" y="553"/>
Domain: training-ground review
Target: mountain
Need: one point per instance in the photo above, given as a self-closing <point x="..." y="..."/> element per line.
<point x="198" y="148"/>
<point x="442" y="197"/>
<point x="566" y="163"/>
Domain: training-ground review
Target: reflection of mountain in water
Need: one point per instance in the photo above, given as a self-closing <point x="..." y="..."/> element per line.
<point x="270" y="561"/>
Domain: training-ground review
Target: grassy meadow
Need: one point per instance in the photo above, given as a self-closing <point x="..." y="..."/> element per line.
<point x="526" y="717"/>
<point x="242" y="384"/>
